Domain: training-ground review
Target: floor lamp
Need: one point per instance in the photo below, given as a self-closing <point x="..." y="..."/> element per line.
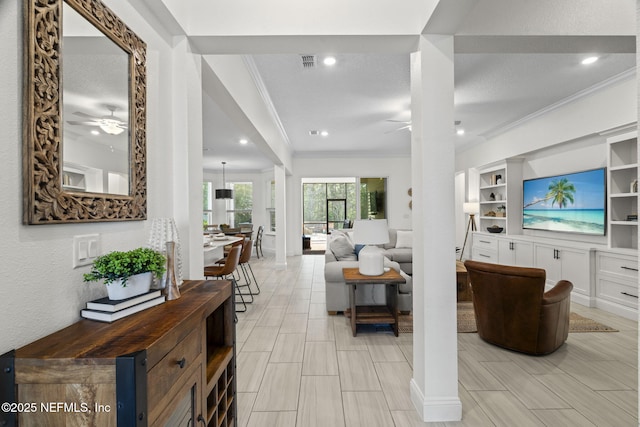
<point x="470" y="208"/>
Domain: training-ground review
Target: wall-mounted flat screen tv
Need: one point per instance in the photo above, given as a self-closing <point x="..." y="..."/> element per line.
<point x="573" y="203"/>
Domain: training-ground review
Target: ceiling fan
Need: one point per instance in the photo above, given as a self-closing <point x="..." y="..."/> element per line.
<point x="110" y="124"/>
<point x="406" y="124"/>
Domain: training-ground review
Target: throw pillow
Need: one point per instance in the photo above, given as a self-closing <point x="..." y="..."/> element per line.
<point x="342" y="248"/>
<point x="404" y="239"/>
<point x="358" y="248"/>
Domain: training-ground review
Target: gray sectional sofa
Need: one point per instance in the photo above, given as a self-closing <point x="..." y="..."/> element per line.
<point x="339" y="255"/>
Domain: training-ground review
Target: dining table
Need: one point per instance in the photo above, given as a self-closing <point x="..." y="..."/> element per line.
<point x="214" y="247"/>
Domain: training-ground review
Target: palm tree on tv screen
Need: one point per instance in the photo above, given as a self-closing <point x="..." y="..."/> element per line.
<point x="561" y="191"/>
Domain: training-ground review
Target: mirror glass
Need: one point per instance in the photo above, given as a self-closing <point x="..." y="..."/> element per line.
<point x="95" y="109"/>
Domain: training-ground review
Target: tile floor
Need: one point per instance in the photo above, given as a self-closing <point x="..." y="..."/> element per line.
<point x="298" y="366"/>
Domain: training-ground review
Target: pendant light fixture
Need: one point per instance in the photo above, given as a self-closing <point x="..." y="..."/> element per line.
<point x="224" y="192"/>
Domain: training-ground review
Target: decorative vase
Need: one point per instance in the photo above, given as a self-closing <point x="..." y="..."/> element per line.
<point x="136" y="285"/>
<point x="164" y="230"/>
<point x="171" y="289"/>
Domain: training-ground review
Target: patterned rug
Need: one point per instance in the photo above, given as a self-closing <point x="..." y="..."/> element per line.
<point x="467" y="322"/>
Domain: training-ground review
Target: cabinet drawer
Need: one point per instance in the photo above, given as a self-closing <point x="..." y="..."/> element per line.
<point x="485" y="242"/>
<point x="484" y="255"/>
<point x="620" y="266"/>
<point x="176" y="363"/>
<point x="619" y="292"/>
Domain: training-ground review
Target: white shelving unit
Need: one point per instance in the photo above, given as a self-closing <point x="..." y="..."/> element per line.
<point x="500" y="197"/>
<point x="623" y="191"/>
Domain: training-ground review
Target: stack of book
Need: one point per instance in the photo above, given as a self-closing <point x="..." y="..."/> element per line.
<point x="106" y="310"/>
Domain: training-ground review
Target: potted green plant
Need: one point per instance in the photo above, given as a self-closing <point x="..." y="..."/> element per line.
<point x="127" y="274"/>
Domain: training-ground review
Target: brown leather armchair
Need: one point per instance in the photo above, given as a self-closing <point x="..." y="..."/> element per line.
<point x="513" y="311"/>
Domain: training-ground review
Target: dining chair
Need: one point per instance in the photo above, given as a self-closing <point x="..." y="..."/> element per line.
<point x="258" y="243"/>
<point x="226" y="270"/>
<point x="245" y="266"/>
<point x="244" y="254"/>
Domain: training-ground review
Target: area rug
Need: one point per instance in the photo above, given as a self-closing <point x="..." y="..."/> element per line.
<point x="467" y="322"/>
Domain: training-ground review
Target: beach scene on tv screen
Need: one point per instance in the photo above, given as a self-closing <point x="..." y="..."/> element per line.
<point x="572" y="203"/>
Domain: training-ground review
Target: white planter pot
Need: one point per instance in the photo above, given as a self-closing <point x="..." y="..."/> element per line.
<point x="136" y="285"/>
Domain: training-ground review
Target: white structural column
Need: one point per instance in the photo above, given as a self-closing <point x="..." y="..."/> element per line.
<point x="434" y="387"/>
<point x="187" y="154"/>
<point x="281" y="216"/>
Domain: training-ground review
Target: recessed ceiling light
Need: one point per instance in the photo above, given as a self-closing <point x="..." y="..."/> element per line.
<point x="95" y="132"/>
<point x="590" y="60"/>
<point x="324" y="133"/>
<point x="244" y="141"/>
<point x="329" y="60"/>
<point x="460" y="131"/>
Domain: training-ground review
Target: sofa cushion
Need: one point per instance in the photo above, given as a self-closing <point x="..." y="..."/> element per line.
<point x="404" y="239"/>
<point x="400" y="255"/>
<point x="342" y="248"/>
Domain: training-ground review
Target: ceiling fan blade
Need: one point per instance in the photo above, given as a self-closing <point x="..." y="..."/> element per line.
<point x="81" y="114"/>
<point x="399" y="129"/>
<point x="77" y="123"/>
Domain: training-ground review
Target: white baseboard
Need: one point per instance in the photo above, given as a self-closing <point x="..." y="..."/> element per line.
<point x="617" y="309"/>
<point x="441" y="409"/>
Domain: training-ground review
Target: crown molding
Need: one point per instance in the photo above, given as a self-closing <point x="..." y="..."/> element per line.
<point x="576" y="96"/>
<point x="264" y="94"/>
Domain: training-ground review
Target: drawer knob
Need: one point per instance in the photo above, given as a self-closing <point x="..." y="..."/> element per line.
<point x="182" y="362"/>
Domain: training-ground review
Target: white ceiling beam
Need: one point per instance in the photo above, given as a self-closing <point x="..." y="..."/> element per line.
<point x="227" y="79"/>
<point x="214" y="45"/>
<point x="448" y="16"/>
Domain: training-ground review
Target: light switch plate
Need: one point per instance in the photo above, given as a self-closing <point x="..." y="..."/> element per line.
<point x="85" y="249"/>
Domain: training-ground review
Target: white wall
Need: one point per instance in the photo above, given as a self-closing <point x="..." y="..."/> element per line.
<point x="397" y="171"/>
<point x="40" y="291"/>
<point x="597" y="112"/>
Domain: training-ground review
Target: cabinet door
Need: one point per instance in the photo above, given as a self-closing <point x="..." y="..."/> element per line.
<point x="523" y="253"/>
<point x="506" y="254"/>
<point x="515" y="252"/>
<point x="546" y="258"/>
<point x="576" y="269"/>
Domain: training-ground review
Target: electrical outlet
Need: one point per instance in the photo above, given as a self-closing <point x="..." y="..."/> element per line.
<point x="86" y="248"/>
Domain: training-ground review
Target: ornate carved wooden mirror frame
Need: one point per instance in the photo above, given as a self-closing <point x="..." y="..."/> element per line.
<point x="45" y="201"/>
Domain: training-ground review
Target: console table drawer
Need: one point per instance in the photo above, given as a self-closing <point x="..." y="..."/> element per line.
<point x="166" y="373"/>
<point x="618" y="265"/>
<point x="619" y="292"/>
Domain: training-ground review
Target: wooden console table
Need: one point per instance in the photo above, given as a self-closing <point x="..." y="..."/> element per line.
<point x="462" y="283"/>
<point x="173" y="364"/>
<point x="374" y="313"/>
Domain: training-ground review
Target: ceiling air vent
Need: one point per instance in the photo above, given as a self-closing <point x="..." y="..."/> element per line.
<point x="308" y="61"/>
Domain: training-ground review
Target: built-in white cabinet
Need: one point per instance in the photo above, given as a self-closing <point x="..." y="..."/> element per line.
<point x="617" y="283"/>
<point x="500" y="197"/>
<point x="623" y="191"/>
<point x="485" y="248"/>
<point x="515" y="252"/>
<point x="567" y="263"/>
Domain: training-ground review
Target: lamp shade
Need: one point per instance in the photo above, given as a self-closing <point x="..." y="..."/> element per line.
<point x="370" y="232"/>
<point x="471" y="207"/>
<point x="224" y="193"/>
